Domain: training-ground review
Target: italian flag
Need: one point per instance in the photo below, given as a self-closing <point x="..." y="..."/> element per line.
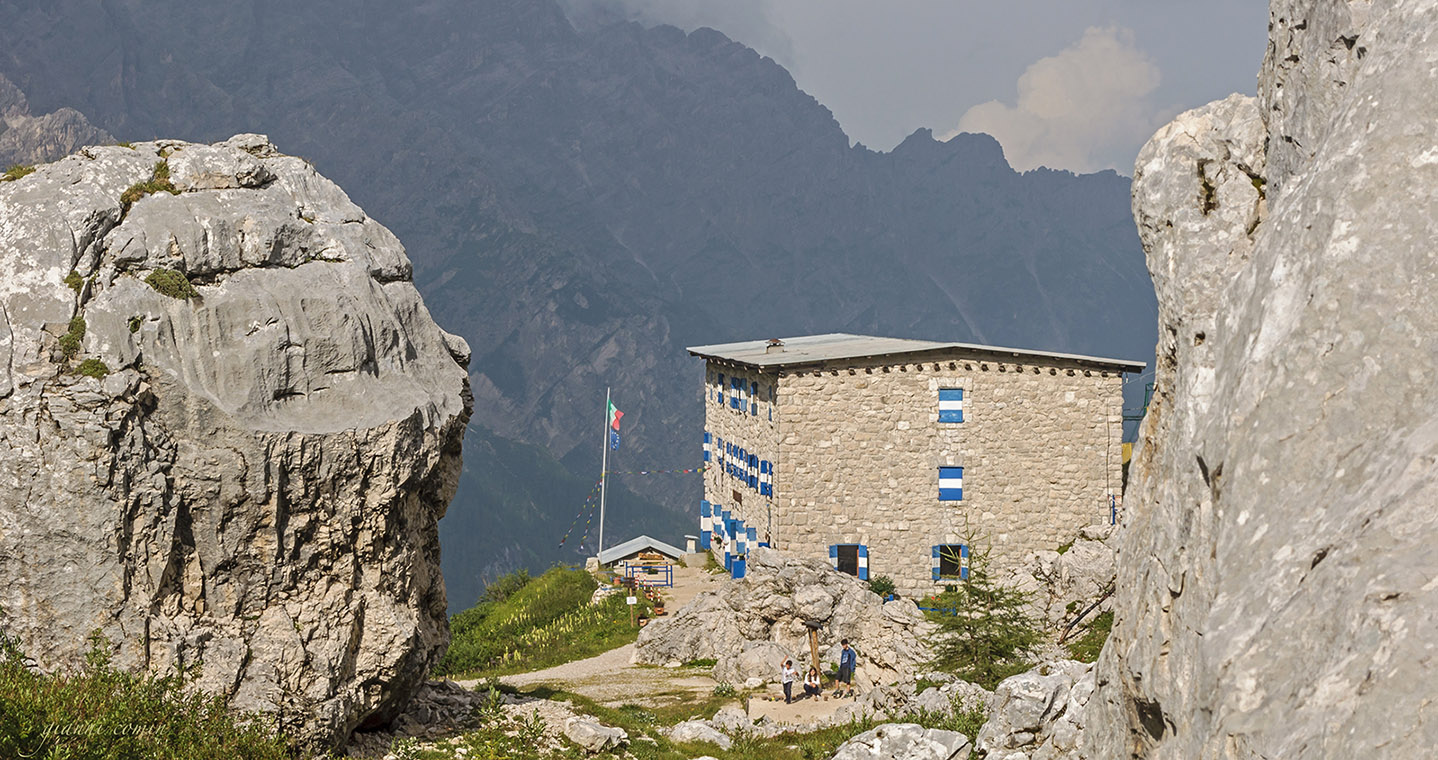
<point x="614" y="415"/>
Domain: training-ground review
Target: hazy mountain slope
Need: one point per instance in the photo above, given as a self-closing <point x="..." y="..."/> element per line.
<point x="581" y="205"/>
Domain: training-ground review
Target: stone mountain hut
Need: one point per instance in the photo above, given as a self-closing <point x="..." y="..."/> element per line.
<point x="884" y="454"/>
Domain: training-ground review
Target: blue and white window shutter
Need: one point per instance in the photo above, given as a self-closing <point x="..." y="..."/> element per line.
<point x="951" y="405"/>
<point x="708" y="445"/>
<point x="754" y="399"/>
<point x="734" y="385"/>
<point x="950" y="561"/>
<point x="720" y="392"/>
<point x="706" y="524"/>
<point x="951" y="484"/>
<point x="766" y="478"/>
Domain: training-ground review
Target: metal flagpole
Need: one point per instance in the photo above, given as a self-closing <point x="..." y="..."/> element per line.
<point x="603" y="474"/>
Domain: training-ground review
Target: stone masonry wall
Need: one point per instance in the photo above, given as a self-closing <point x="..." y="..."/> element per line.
<point x="758" y="433"/>
<point x="1040" y="445"/>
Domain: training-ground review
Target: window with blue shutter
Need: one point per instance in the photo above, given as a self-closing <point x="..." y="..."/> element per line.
<point x="951" y="405"/>
<point x="719" y="393"/>
<point x="766" y="478"/>
<point x="706" y="524"/>
<point x="708" y="446"/>
<point x="950" y="561"/>
<point x="951" y="484"/>
<point x="754" y="399"/>
<point x="734" y="385"/>
<point x="850" y="558"/>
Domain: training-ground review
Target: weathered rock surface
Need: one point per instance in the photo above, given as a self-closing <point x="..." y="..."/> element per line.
<point x="593" y="735"/>
<point x="750" y="625"/>
<point x="256" y="482"/>
<point x="1059" y="586"/>
<point x="1038" y="715"/>
<point x="26" y="138"/>
<point x="904" y="741"/>
<point x="699" y="731"/>
<point x="1276" y="594"/>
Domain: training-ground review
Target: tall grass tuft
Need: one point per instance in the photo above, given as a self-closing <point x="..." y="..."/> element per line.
<point x="99" y="711"/>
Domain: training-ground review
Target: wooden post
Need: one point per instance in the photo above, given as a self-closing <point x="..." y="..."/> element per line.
<point x="814" y="647"/>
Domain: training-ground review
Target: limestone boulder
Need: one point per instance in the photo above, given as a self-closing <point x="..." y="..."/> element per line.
<point x="1276" y="573"/>
<point x="757" y="660"/>
<point x="750" y="625"/>
<point x="1038" y="715"/>
<point x="230" y="427"/>
<point x="732" y="720"/>
<point x="699" y="731"/>
<point x="904" y="741"/>
<point x="594" y="736"/>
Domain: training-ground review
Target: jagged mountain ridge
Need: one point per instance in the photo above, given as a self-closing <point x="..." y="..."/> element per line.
<point x="582" y="204"/>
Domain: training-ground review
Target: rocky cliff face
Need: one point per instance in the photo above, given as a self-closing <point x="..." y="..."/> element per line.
<point x="230" y="428"/>
<point x="1276" y="578"/>
<point x="27" y="139"/>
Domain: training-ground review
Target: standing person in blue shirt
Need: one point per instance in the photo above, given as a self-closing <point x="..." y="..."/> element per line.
<point x="847" y="660"/>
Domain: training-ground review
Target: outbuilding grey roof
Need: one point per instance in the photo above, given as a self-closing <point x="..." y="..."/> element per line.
<point x="636" y="545"/>
<point x="817" y="349"/>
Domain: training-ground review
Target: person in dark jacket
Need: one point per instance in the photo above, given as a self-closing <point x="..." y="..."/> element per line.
<point x="848" y="659"/>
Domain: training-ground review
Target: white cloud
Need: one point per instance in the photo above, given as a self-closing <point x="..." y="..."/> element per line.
<point x="1088" y="108"/>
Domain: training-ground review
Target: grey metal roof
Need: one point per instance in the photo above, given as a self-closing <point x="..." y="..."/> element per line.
<point x="636" y="545"/>
<point x="815" y="349"/>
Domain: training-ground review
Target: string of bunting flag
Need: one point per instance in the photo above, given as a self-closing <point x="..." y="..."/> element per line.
<point x="589" y="501"/>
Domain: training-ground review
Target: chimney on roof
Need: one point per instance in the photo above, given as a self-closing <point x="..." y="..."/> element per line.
<point x="775" y="346"/>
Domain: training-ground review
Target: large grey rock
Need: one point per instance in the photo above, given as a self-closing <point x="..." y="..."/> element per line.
<point x="750" y="625"/>
<point x="904" y="741"/>
<point x="732" y="720"/>
<point x="256" y="484"/>
<point x="699" y="731"/>
<point x="1276" y="585"/>
<point x="759" y="661"/>
<point x="594" y="736"/>
<point x="1038" y="715"/>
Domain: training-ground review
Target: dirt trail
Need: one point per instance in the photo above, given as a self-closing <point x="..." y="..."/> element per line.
<point x="610" y="678"/>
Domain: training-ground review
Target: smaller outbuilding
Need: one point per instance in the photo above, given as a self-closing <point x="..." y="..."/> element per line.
<point x="640" y="550"/>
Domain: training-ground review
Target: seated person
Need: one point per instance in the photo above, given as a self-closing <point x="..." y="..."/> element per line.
<point x="811" y="682"/>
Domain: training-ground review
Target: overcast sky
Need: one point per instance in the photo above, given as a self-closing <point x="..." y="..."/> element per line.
<point x="1072" y="84"/>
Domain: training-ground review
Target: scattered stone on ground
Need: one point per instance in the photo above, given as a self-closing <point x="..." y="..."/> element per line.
<point x="749" y="626"/>
<point x="593" y="735"/>
<point x="699" y="731"/>
<point x="904" y="741"/>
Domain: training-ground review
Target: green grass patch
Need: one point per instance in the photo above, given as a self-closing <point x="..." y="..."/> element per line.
<point x="101" y="712"/>
<point x="134" y="323"/>
<point x="703" y="662"/>
<point x="71" y="340"/>
<point x="536" y="624"/>
<point x="168" y="282"/>
<point x="74" y="280"/>
<point x="159" y="182"/>
<point x="93" y="368"/>
<point x="1087" y="647"/>
<point x="639" y="721"/>
<point x="16" y="172"/>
